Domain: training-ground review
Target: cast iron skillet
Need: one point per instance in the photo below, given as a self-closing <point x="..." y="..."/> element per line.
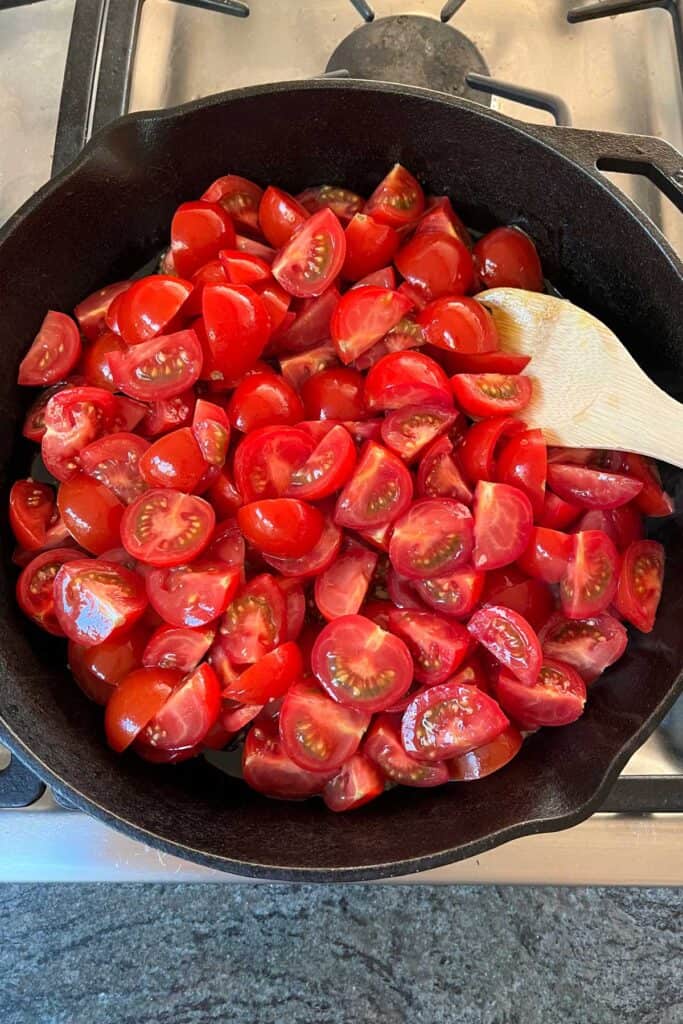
<point x="107" y="214"/>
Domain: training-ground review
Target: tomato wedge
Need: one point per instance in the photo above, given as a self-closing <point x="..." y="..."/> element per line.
<point x="343" y="203"/>
<point x="369" y="247"/>
<point x="490" y="394"/>
<point x="91" y="312"/>
<point x="237" y="328"/>
<point x="383" y="746"/>
<point x="592" y="488"/>
<point x="31" y="512"/>
<point x="316" y="560"/>
<point x="449" y="720"/>
<point x="199" y="230"/>
<point x="379" y="491"/>
<point x="187" y="714"/>
<point x="640" y="583"/>
<point x="313" y="256"/>
<point x="503" y="518"/>
<point x="266" y="459"/>
<point x="522" y="462"/>
<point x="74" y="417"/>
<point x="514" y="589"/>
<point x="90" y="512"/>
<point x="150" y="305"/>
<point x="407" y="431"/>
<point x="437" y="645"/>
<point x="268" y="678"/>
<point x="177" y="647"/>
<point x="439" y="475"/>
<point x="341" y="588"/>
<point x="54" y="353"/>
<point x="489" y="758"/>
<point x="436" y="264"/>
<point x="557" y="696"/>
<point x="135" y="701"/>
<point x="362" y="317"/>
<point x="35" y="587"/>
<point x="406" y="378"/>
<point x="432" y="538"/>
<point x="165" y="527"/>
<point x="255" y="622"/>
<point x="98" y="670"/>
<point x="286" y="527"/>
<point x="398" y="199"/>
<point x="327" y="468"/>
<point x="455" y="594"/>
<point x="590" y="580"/>
<point x="279" y="215"/>
<point x="192" y="595"/>
<point x="507" y="258"/>
<point x="267" y="768"/>
<point x="160" y="368"/>
<point x="510" y="639"/>
<point x="264" y="400"/>
<point x="316" y="732"/>
<point x="94" y="599"/>
<point x="546" y="555"/>
<point x="239" y="197"/>
<point x="590" y="645"/>
<point x="356" y="783"/>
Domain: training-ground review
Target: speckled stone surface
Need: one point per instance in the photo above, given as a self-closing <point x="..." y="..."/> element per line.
<point x="196" y="954"/>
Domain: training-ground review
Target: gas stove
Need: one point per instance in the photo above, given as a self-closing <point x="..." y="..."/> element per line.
<point x="69" y="66"/>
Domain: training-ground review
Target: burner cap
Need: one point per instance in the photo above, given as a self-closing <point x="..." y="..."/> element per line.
<point x="412" y="50"/>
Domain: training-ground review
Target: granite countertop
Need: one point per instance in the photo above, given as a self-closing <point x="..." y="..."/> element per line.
<point x="267" y="954"/>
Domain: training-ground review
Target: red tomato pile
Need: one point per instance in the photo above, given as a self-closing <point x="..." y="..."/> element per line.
<point x="293" y="497"/>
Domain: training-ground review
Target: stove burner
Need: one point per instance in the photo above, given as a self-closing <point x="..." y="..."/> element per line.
<point x="412" y="50"/>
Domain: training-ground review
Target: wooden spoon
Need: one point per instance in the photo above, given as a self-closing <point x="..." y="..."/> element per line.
<point x="589" y="392"/>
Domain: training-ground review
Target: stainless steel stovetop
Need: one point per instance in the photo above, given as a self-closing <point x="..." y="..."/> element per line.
<point x="621" y="73"/>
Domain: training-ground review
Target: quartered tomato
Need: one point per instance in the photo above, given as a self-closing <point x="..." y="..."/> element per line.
<point x="31" y="513"/>
<point x="477" y="452"/>
<point x="334" y="394"/>
<point x="174" y="460"/>
<point x="279" y="216"/>
<point x="460" y="325"/>
<point x="255" y="621"/>
<point x="522" y="463"/>
<point x="592" y="488"/>
<point x="489" y="758"/>
<point x="510" y="639"/>
<point x="341" y="201"/>
<point x="91" y="312"/>
<point x="136" y="700"/>
<point x="436" y="264"/>
<point x="150" y="305"/>
<point x="192" y="595"/>
<point x="484" y="362"/>
<point x="432" y="538"/>
<point x="640" y="583"/>
<point x="54" y="353"/>
<point x="167" y="414"/>
<point x="370" y="245"/>
<point x="652" y="500"/>
<point x="360" y="665"/>
<point x="268" y="678"/>
<point x="297" y="369"/>
<point x="384" y="747"/>
<point x="267" y="768"/>
<point x="437" y="645"/>
<point x="362" y="317"/>
<point x="114" y="460"/>
<point x="590" y="645"/>
<point x="281" y="526"/>
<point x="507" y="258"/>
<point x="74" y="417"/>
<point x="313" y="256"/>
<point x="590" y="580"/>
<point x="95" y="364"/>
<point x="98" y="670"/>
<point x="440" y="216"/>
<point x="160" y="368"/>
<point x="35" y="587"/>
<point x="327" y="468"/>
<point x="266" y="459"/>
<point x="166" y="527"/>
<point x="95" y="599"/>
<point x="187" y="714"/>
<point x="546" y="555"/>
<point x="356" y="783"/>
<point x="319" y="734"/>
<point x="556" y="697"/>
<point x="439" y="475"/>
<point x="455" y="594"/>
<point x="341" y="588"/>
<point x="408" y="430"/>
<point x="449" y="720"/>
<point x="557" y="513"/>
<point x="622" y="525"/>
<point x="398" y="199"/>
<point x="237" y="327"/>
<point x="491" y="394"/>
<point x="239" y="197"/>
<point x="514" y="589"/>
<point x="315" y="561"/>
<point x="406" y="378"/>
<point x="199" y="230"/>
<point x="379" y="491"/>
<point x="264" y="400"/>
<point x="180" y="647"/>
<point x="244" y="267"/>
<point x="91" y="513"/>
<point x="503" y="518"/>
<point x="311" y="324"/>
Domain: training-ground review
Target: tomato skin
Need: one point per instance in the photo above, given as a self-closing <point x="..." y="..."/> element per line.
<point x="363" y="316"/>
<point x="95" y="360"/>
<point x="592" y="488"/>
<point x="590" y="645"/>
<point x="54" y="352"/>
<point x="286" y="527"/>
<point x="165" y="527"/>
<point x="370" y="245"/>
<point x="511" y="587"/>
<point x="488" y="758"/>
<point x="557" y="697"/>
<point x="640" y="583"/>
<point x="279" y="215"/>
<point x="652" y="499"/>
<point x="476" y="453"/>
<point x="398" y="199"/>
<point x="342" y="587"/>
<point x="160" y="368"/>
<point x="622" y="525"/>
<point x="150" y="305"/>
<point x="460" y="325"/>
<point x="174" y="460"/>
<point x="211" y="429"/>
<point x="297" y="369"/>
<point x="98" y="670"/>
<point x="449" y="720"/>
<point x="440" y="216"/>
<point x="178" y="647"/>
<point x="311" y="324"/>
<point x="523" y="463"/>
<point x="590" y="580"/>
<point x="35" y="587"/>
<point x="437" y="645"/>
<point x="484" y="362"/>
<point x="379" y="491"/>
<point x="557" y="513"/>
<point x="383" y="746"/>
<point x="267" y="769"/>
<point x="31" y="512"/>
<point x="243" y="267"/>
<point x="313" y="257"/>
<point x="316" y="561"/>
<point x="237" y="328"/>
<point x="91" y="311"/>
<point x="316" y="732"/>
<point x="264" y="400"/>
<point x="95" y="599"/>
<point x="455" y="594"/>
<point x="432" y="538"/>
<point x="266" y="458"/>
<point x="192" y="595"/>
<point x="268" y="678"/>
<point x="135" y="701"/>
<point x="239" y="197"/>
<point x="328" y="468"/>
<point x="356" y="783"/>
<point x="439" y="475"/>
<point x="546" y="555"/>
<point x="503" y="518"/>
<point x="334" y="394"/>
<point x="187" y="715"/>
<point x="490" y="394"/>
<point x="436" y="264"/>
<point x="199" y="230"/>
<point x="406" y="378"/>
<point x="507" y="258"/>
<point x="510" y="639"/>
<point x="167" y="414"/>
<point x="91" y="513"/>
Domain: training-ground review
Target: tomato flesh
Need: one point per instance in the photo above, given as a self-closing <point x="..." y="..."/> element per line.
<point x="54" y="353"/>
<point x="192" y="595"/>
<point x="590" y="645"/>
<point x="135" y="701"/>
<point x="362" y="317"/>
<point x="510" y="639"/>
<point x="384" y="747"/>
<point x="436" y="644"/>
<point x="449" y="720"/>
<point x="590" y="580"/>
<point x="95" y="599"/>
<point x="640" y="583"/>
<point x="356" y="783"/>
<point x="432" y="538"/>
<point x="166" y="527"/>
<point x="379" y="491"/>
<point x="503" y="518"/>
<point x="319" y="734"/>
<point x="313" y="256"/>
<point x="557" y="696"/>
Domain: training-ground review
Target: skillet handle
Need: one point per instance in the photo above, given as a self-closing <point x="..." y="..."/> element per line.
<point x="647" y="155"/>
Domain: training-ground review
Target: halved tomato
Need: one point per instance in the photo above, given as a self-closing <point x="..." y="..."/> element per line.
<point x="316" y="561"/>
<point x="356" y="783"/>
<point x="174" y="460"/>
<point x="383" y="746"/>
<point x="98" y="670"/>
<point x="319" y="734"/>
<point x="406" y="378"/>
<point x="286" y="527"/>
<point x="398" y="199"/>
<point x="343" y="203"/>
<point x="239" y="197"/>
<point x="640" y="583"/>
<point x="432" y="538"/>
<point x="328" y="467"/>
<point x="199" y="230"/>
<point x="590" y="645"/>
<point x="264" y="400"/>
<point x="91" y="312"/>
<point x="165" y="527"/>
<point x="266" y="458"/>
<point x="255" y="622"/>
<point x="510" y="639"/>
<point x="95" y="599"/>
<point x="160" y="368"/>
<point x="313" y="257"/>
<point x="459" y="324"/>
<point x="297" y="369"/>
<point x="362" y="317"/>
<point x="491" y="394"/>
<point x="455" y="594"/>
<point x="592" y="488"/>
<point x="187" y="714"/>
<point x="237" y="328"/>
<point x="436" y="644"/>
<point x="369" y="246"/>
<point x="35" y="587"/>
<point x="379" y="491"/>
<point x="268" y="678"/>
<point x="177" y="647"/>
<point x="590" y="581"/>
<point x="507" y="258"/>
<point x="267" y="768"/>
<point x="74" y="417"/>
<point x="192" y="595"/>
<point x="503" y="518"/>
<point x="449" y="720"/>
<point x="150" y="305"/>
<point x="546" y="555"/>
<point x="360" y="665"/>
<point x="477" y="452"/>
<point x="436" y="264"/>
<point x="135" y="701"/>
<point x="407" y="431"/>
<point x="439" y="475"/>
<point x="279" y="215"/>
<point x="54" y="351"/>
<point x="556" y="697"/>
<point x="523" y="463"/>
<point x="91" y="513"/>
<point x="341" y="588"/>
<point x="489" y="758"/>
<point x="334" y="394"/>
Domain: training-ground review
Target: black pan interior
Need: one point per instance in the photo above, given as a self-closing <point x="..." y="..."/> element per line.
<point x="106" y="217"/>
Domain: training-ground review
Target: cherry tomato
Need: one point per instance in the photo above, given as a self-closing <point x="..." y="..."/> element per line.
<point x="95" y="360"/>
<point x="91" y="513"/>
<point x="279" y="216"/>
<point x="491" y="394"/>
<point x="640" y="583"/>
<point x="341" y="588"/>
<point x="406" y="334"/>
<point x="439" y="475"/>
<point x="511" y="587"/>
<point x="297" y="369"/>
<point x="31" y="513"/>
<point x="652" y="499"/>
<point x="212" y="272"/>
<point x="362" y="317"/>
<point x="432" y="538"/>
<point x="328" y="468"/>
<point x="111" y="317"/>
<point x="489" y="758"/>
<point x="546" y="555"/>
<point x="319" y="734"/>
<point x="244" y="268"/>
<point x="484" y="362"/>
<point x="522" y="463"/>
<point x="165" y="527"/>
<point x="239" y="197"/>
<point x="167" y="414"/>
<point x="74" y="418"/>
<point x="255" y="621"/>
<point x="267" y="769"/>
<point x="556" y="697"/>
<point x="590" y="645"/>
<point x="379" y="491"/>
<point x="266" y="458"/>
<point x="311" y="323"/>
<point x="91" y="312"/>
<point x="592" y="488"/>
<point x="397" y="200"/>
<point x="211" y="429"/>
<point x="590" y="580"/>
<point x="341" y="201"/>
<point x="369" y="247"/>
<point x="281" y="526"/>
<point x="557" y="514"/>
<point x="227" y="544"/>
<point x="187" y="714"/>
<point x="507" y="258"/>
<point x="356" y="783"/>
<point x="35" y="587"/>
<point x="255" y="248"/>
<point x="199" y="230"/>
<point x="313" y="256"/>
<point x="455" y="594"/>
<point x="174" y="460"/>
<point x="177" y="647"/>
<point x="114" y="460"/>
<point x="406" y="378"/>
<point x="436" y="264"/>
<point x="383" y="746"/>
<point x="437" y="645"/>
<point x="399" y="589"/>
<point x="136" y="700"/>
<point x="316" y="561"/>
<point x="95" y="599"/>
<point x="264" y="400"/>
<point x="503" y="518"/>
<point x="477" y="452"/>
<point x="54" y="353"/>
<point x="192" y="595"/>
<point x="150" y="305"/>
<point x="459" y="325"/>
<point x="449" y="720"/>
<point x="334" y="394"/>
<point x="98" y="670"/>
<point x="440" y="216"/>
<point x="160" y="368"/>
<point x="34" y="422"/>
<point x="268" y="678"/>
<point x="360" y="665"/>
<point x="237" y="328"/>
<point x="408" y="430"/>
<point x="510" y="639"/>
<point x="622" y="525"/>
<point x="295" y="607"/>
